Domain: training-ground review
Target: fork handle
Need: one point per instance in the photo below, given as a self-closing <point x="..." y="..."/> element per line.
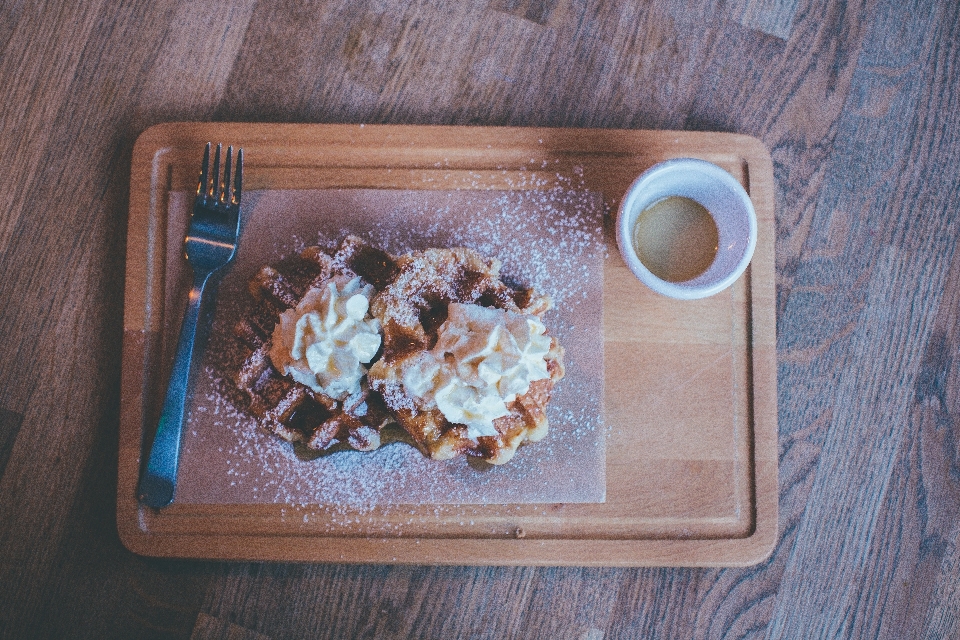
<point x="159" y="480"/>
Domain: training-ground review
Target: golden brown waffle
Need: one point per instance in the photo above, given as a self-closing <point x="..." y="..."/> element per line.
<point x="412" y="308"/>
<point x="414" y="292"/>
<point x="287" y="408"/>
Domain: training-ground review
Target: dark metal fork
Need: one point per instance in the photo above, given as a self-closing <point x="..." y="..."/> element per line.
<point x="210" y="244"/>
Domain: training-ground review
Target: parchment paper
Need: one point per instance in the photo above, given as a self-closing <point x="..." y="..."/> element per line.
<point x="552" y="240"/>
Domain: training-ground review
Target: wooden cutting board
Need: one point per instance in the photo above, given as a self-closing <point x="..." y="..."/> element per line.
<point x="690" y="396"/>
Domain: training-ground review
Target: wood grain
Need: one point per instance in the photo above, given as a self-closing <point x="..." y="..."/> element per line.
<point x="210" y="628"/>
<point x="857" y="101"/>
<point x="773" y="17"/>
<point x="9" y="427"/>
<point x="869" y="416"/>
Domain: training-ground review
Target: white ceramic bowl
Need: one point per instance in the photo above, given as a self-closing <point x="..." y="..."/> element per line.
<point x="717" y="191"/>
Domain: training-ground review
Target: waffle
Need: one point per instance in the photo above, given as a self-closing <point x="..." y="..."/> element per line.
<point x="412" y="308"/>
<point x="413" y="296"/>
<point x="287" y="408"/>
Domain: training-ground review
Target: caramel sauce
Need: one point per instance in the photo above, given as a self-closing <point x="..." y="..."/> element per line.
<point x="676" y="239"/>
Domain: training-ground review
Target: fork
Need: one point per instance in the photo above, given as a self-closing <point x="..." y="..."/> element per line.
<point x="210" y="244"/>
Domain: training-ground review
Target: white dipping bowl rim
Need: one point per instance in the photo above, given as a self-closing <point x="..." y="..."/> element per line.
<point x="721" y="194"/>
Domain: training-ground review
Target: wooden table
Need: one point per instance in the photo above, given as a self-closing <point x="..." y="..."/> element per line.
<point x="859" y="104"/>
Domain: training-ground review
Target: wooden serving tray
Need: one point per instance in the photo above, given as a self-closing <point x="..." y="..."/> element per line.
<point x="690" y="386"/>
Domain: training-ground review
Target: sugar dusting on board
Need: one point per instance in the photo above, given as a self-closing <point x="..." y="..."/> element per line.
<point x="550" y="239"/>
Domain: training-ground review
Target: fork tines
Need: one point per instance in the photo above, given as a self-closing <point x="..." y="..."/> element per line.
<point x="213" y="189"/>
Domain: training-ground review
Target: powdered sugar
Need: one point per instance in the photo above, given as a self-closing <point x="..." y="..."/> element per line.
<point x="550" y="239"/>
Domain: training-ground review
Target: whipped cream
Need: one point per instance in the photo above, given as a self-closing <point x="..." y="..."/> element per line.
<point x="484" y="358"/>
<point x="327" y="338"/>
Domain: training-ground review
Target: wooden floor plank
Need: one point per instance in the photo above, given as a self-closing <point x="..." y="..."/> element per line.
<point x="345" y="601"/>
<point x="911" y="579"/>
<point x="561" y="603"/>
<point x="657" y="603"/>
<point x="9" y="428"/>
<point x="210" y="628"/>
<point x="943" y="616"/>
<point x="38" y="63"/>
<point x="773" y="17"/>
<point x="922" y="503"/>
<point x="72" y="315"/>
<point x="869" y="417"/>
<point x="194" y="62"/>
